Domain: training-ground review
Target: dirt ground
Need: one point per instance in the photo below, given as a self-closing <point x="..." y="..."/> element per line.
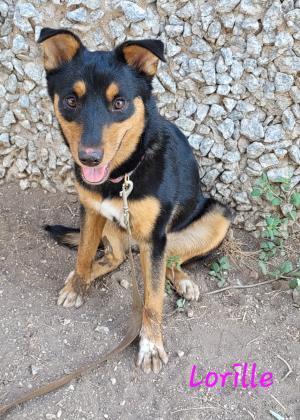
<point x="40" y="341"/>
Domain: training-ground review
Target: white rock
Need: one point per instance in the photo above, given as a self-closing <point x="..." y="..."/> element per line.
<point x="268" y="160"/>
<point x="252" y="128"/>
<point x="205" y="144"/>
<point x="132" y="11"/>
<point x="19" y="44"/>
<point x="27" y="10"/>
<point x="228" y="177"/>
<point x="210" y="177"/>
<point x="8" y="119"/>
<point x="194" y="141"/>
<point x="284" y="39"/>
<point x="217" y="111"/>
<point x="273" y="133"/>
<point x="294" y="153"/>
<point x="273" y="17"/>
<point x="202" y="111"/>
<point x="232" y="157"/>
<point x="209" y="72"/>
<point x="283" y="82"/>
<point x="226" y="6"/>
<point x="274" y="175"/>
<point x="34" y="71"/>
<point x="226" y="128"/>
<point x="254" y="150"/>
<point x="254" y="47"/>
<point x="185" y="124"/>
<point x="78" y="15"/>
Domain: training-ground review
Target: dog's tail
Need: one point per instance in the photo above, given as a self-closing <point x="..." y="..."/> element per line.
<point x="64" y="235"/>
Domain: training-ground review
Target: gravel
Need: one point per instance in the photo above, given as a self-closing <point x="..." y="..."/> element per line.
<point x="230" y="83"/>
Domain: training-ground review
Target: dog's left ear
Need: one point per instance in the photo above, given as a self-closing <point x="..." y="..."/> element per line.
<point x="143" y="55"/>
<point x="59" y="45"/>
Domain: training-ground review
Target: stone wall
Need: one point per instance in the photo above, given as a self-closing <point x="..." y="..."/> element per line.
<point x="231" y="83"/>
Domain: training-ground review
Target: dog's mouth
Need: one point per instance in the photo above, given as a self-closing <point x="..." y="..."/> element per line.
<point x="96" y="174"/>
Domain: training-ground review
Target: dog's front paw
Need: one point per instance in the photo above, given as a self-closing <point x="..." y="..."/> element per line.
<point x="188" y="289"/>
<point x="72" y="292"/>
<point x="151" y="355"/>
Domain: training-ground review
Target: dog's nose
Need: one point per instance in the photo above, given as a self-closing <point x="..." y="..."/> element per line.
<point x="90" y="157"/>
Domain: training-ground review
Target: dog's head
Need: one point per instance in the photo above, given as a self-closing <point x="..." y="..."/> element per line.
<point x="99" y="97"/>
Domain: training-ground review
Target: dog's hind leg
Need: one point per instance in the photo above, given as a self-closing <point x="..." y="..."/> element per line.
<point x="198" y="239"/>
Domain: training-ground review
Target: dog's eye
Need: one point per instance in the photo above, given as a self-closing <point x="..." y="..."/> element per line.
<point x="119" y="104"/>
<point x="70" y="101"/>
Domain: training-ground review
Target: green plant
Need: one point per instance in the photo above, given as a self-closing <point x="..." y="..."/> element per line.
<point x="276" y="227"/>
<point x="219" y="270"/>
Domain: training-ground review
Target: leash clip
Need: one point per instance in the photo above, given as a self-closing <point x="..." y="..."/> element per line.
<point x="127" y="188"/>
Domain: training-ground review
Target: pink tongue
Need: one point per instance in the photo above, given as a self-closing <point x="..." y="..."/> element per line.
<point x="94" y="174"/>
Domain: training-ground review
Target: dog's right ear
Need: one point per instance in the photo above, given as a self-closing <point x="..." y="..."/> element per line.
<point x="59" y="45"/>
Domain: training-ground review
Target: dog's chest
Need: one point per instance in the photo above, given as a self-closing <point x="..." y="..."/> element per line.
<point x="110" y="209"/>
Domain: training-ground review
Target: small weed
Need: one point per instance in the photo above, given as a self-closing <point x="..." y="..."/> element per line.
<point x="181" y="304"/>
<point x="173" y="261"/>
<point x="219" y="270"/>
<point x="276" y="228"/>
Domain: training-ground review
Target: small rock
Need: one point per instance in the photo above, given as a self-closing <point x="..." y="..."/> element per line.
<point x="268" y="160"/>
<point x="283" y="82"/>
<point x="113" y="381"/>
<point x="19" y="44"/>
<point x="190" y="313"/>
<point x="180" y="353"/>
<point x="102" y="329"/>
<point x="34" y="71"/>
<point x="124" y="283"/>
<point x="284" y="39"/>
<point x="252" y="128"/>
<point x="296" y="296"/>
<point x="24" y="184"/>
<point x="254" y="150"/>
<point x="34" y="370"/>
<point x="8" y="119"/>
<point x="273" y="133"/>
<point x="226" y="6"/>
<point x="27" y="10"/>
<point x="202" y="111"/>
<point x="276" y="174"/>
<point x="185" y="124"/>
<point x="294" y="153"/>
<point x="205" y="145"/>
<point x="78" y="15"/>
<point x="228" y="177"/>
<point x="132" y="11"/>
<point x="217" y="111"/>
<point x="232" y="157"/>
<point x="226" y="128"/>
<point x="210" y="177"/>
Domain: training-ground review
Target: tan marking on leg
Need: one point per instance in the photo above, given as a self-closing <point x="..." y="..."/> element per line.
<point x="79" y="281"/>
<point x="151" y="351"/>
<point x="115" y="243"/>
<point x="79" y="88"/>
<point x="112" y="91"/>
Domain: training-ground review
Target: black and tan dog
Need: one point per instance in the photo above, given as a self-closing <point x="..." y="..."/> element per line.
<point x="109" y="119"/>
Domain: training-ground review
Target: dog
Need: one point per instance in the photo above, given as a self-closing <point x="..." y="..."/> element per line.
<point x="108" y="117"/>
